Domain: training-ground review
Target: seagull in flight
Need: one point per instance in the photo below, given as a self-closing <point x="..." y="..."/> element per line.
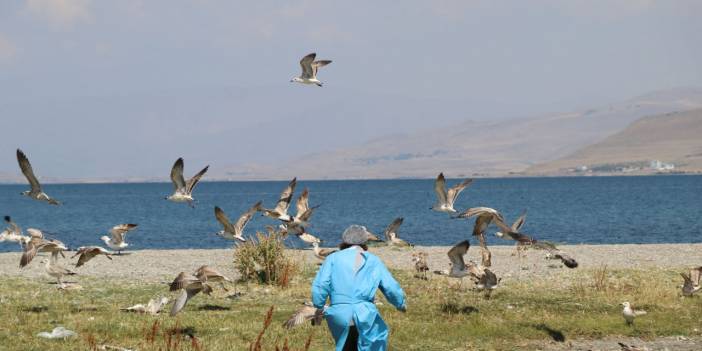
<point x="35" y="191"/>
<point x="553" y="253"/>
<point x="485" y="216"/>
<point x="281" y="208"/>
<point x="116" y="241"/>
<point x="446" y="199"/>
<point x="305" y="313"/>
<point x="87" y="253"/>
<point x="37" y="243"/>
<point x="321" y="253"/>
<point x="235" y="231"/>
<point x="391" y="233"/>
<point x="183" y="191"/>
<point x="191" y="286"/>
<point x="13" y="233"/>
<point x="483" y="277"/>
<point x="309" y="70"/>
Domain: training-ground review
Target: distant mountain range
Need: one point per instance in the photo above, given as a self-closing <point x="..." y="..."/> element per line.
<point x="668" y="142"/>
<point x="623" y="136"/>
<point x="503" y="148"/>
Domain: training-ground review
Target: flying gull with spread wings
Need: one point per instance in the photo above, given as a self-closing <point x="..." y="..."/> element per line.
<point x="309" y="70"/>
<point x="235" y="231"/>
<point x="281" y="207"/>
<point x="183" y="191"/>
<point x="447" y="198"/>
<point x="116" y="239"/>
<point x="35" y="191"/>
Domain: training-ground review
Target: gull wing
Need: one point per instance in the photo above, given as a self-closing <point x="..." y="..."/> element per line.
<point x="481" y="224"/>
<point x="177" y="174"/>
<point x="454" y="191"/>
<point x="35" y="233"/>
<point x="307" y="214"/>
<point x="120" y="230"/>
<point x="695" y="274"/>
<point x="306" y="64"/>
<point x="393" y="227"/>
<point x="302" y="315"/>
<point x="26" y="168"/>
<point x="317" y="64"/>
<point x="284" y="200"/>
<point x="303" y="203"/>
<point x="87" y="253"/>
<point x="183" y="299"/>
<point x="223" y="220"/>
<point x="30" y="251"/>
<point x="456" y="254"/>
<point x="190" y="185"/>
<point x="519" y="222"/>
<point x="246" y="217"/>
<point x="440" y="188"/>
<point x="181" y="281"/>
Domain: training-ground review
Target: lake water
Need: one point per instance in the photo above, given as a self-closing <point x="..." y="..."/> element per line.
<point x="594" y="210"/>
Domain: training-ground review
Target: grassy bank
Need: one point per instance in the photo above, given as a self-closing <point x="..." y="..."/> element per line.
<point x="442" y="314"/>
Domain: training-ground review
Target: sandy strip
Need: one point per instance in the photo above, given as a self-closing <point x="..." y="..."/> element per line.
<point x="160" y="265"/>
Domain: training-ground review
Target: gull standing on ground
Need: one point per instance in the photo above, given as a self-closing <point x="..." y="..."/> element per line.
<point x="629" y="313"/>
<point x="35" y="188"/>
<point x="184" y="190"/>
<point x="116" y="242"/>
<point x="37" y="243"/>
<point x="391" y="233"/>
<point x="420" y="264"/>
<point x="87" y="253"/>
<point x="56" y="271"/>
<point x="281" y="207"/>
<point x="446" y="199"/>
<point x="13" y="233"/>
<point x="235" y="231"/>
<point x="691" y="283"/>
<point x="309" y="70"/>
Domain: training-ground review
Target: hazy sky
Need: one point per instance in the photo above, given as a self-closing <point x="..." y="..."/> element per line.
<point x="115" y="88"/>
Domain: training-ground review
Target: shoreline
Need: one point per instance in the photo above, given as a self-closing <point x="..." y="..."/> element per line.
<point x="516" y="175"/>
<point x="162" y="265"/>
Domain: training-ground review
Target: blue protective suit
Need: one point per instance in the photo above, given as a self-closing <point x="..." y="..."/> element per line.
<point x="351" y="294"/>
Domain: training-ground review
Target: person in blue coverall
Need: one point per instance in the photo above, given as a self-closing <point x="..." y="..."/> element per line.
<point x="350" y="278"/>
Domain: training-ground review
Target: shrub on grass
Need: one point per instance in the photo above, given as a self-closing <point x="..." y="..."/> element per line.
<point x="263" y="259"/>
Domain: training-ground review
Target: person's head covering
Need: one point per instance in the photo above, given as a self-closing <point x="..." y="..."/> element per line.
<point x="355" y="235"/>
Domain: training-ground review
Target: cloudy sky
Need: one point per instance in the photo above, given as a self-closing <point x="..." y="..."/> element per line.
<point x="122" y="88"/>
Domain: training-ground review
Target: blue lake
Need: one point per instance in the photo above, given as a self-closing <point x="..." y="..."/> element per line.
<point x="595" y="210"/>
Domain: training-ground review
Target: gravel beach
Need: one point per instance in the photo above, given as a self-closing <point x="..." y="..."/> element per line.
<point x="159" y="265"/>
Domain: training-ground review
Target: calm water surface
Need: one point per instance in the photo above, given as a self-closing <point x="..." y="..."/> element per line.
<point x="595" y="210"/>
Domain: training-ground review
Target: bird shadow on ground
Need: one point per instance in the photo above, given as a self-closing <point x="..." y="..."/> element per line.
<point x="35" y="309"/>
<point x="556" y="335"/>
<point x="209" y="307"/>
<point x="455" y="309"/>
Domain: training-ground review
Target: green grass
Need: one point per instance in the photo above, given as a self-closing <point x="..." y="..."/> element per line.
<point x="441" y="316"/>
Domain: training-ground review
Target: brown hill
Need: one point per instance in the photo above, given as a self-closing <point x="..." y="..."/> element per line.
<point x="673" y="138"/>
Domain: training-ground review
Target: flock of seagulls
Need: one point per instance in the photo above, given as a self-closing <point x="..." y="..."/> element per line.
<point x="191" y="284"/>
